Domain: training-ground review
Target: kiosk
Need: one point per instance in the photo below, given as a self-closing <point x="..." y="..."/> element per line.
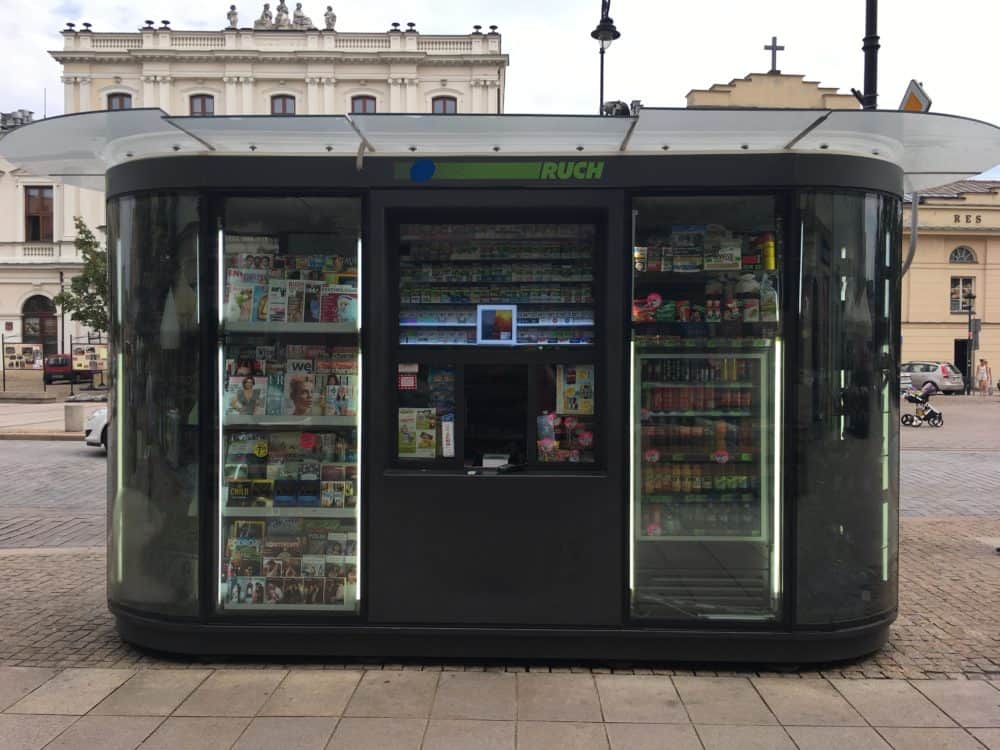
<point x="506" y="386"/>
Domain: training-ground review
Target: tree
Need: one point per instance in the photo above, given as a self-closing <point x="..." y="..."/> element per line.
<point x="87" y="297"/>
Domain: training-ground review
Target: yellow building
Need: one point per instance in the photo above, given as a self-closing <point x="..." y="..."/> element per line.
<point x="956" y="266"/>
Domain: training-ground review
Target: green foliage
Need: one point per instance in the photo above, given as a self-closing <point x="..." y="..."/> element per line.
<point x="86" y="299"/>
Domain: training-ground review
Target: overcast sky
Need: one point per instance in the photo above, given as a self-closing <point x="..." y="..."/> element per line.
<point x="667" y="47"/>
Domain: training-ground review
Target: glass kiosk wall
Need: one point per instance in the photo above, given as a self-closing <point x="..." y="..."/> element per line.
<point x="616" y="422"/>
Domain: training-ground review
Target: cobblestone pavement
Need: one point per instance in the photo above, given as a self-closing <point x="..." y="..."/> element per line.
<point x="945" y="484"/>
<point x="55" y="614"/>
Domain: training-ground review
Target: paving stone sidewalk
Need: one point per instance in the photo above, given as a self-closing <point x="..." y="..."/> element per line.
<point x="357" y="710"/>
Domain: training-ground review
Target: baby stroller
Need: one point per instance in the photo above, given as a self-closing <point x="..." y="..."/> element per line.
<point x="924" y="411"/>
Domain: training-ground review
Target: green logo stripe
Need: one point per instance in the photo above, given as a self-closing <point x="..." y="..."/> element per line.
<point x="488" y="170"/>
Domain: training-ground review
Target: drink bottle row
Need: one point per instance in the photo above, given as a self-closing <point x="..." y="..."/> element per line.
<point x="710" y="519"/>
<point x="703" y="435"/>
<point x="699" y="478"/>
<point x="696" y="398"/>
<point x="714" y="370"/>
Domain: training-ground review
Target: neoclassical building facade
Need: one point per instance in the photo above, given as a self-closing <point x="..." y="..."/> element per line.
<point x="955" y="272"/>
<point x="278" y="67"/>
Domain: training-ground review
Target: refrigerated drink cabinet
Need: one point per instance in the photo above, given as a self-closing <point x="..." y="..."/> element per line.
<point x="504" y="387"/>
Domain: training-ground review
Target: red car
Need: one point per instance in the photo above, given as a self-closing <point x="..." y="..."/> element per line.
<point x="59" y="368"/>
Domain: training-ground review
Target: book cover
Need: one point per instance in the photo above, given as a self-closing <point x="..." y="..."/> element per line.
<point x="312" y="591"/>
<point x="246" y="456"/>
<point x="295" y="306"/>
<point x="308" y="493"/>
<point x="240" y="491"/>
<point x="333" y="591"/>
<point x="313" y="294"/>
<point x="246" y="396"/>
<point x="332" y="473"/>
<point x="313" y="566"/>
<point x="309" y="468"/>
<point x="292" y="589"/>
<point x="283" y="527"/>
<point x="285" y="492"/>
<point x="272" y="567"/>
<point x="332" y="494"/>
<point x="277" y="300"/>
<point x="247" y="530"/>
<point x="262" y="493"/>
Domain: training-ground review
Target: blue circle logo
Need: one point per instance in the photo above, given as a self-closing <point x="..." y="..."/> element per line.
<point x="422" y="170"/>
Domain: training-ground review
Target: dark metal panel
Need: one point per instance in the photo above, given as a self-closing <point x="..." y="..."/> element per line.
<point x="698" y="172"/>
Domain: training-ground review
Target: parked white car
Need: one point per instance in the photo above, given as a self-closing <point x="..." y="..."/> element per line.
<point x="95" y="431"/>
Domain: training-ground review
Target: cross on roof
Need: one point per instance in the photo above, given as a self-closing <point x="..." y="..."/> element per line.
<point x="774" y="48"/>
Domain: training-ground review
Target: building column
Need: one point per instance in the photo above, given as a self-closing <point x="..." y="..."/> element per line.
<point x="86" y="105"/>
<point x="148" y="91"/>
<point x="412" y="95"/>
<point x="246" y="82"/>
<point x="165" y="83"/>
<point x="232" y="105"/>
<point x="313" y="96"/>
<point x="395" y="94"/>
<point x="69" y="94"/>
<point x="330" y="96"/>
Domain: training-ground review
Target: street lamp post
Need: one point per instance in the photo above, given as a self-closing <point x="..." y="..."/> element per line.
<point x="605" y="33"/>
<point x="969" y="348"/>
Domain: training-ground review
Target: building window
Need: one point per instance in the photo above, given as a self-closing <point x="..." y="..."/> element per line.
<point x="362" y="105"/>
<point x="962" y="293"/>
<point x="202" y="105"/>
<point x="283" y="104"/>
<point x="962" y="254"/>
<point x="38" y="214"/>
<point x="119" y="101"/>
<point x="444" y="105"/>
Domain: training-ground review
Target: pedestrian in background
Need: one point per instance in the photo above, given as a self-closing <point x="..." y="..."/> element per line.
<point x="984" y="378"/>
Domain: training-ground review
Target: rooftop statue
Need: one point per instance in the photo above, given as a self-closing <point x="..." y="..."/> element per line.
<point x="265" y="21"/>
<point x="330" y="18"/>
<point x="233" y="17"/>
<point x="300" y="20"/>
<point x="281" y="19"/>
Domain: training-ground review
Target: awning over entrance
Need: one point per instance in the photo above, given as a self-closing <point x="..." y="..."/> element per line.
<point x="932" y="149"/>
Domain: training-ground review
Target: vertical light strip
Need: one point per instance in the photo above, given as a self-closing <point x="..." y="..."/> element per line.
<point x="115" y="417"/>
<point x="885" y="541"/>
<point x="222" y="280"/>
<point x="359" y="411"/>
<point x="221" y="448"/>
<point x="221" y="396"/>
<point x="842" y="385"/>
<point x="197" y="265"/>
<point x="802" y="252"/>
<point x="119" y="471"/>
<point x="777" y="432"/>
<point x="631" y="463"/>
<point x="885" y="299"/>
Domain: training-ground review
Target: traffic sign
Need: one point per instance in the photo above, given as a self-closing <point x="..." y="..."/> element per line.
<point x="915" y="99"/>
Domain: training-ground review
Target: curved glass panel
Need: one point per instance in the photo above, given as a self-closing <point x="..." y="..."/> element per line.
<point x="153" y="405"/>
<point x="847" y="406"/>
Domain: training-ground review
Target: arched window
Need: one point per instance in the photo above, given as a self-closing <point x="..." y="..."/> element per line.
<point x="202" y="105"/>
<point x="282" y="104"/>
<point x="444" y="105"/>
<point x="962" y="254"/>
<point x="362" y="105"/>
<point x="119" y="101"/>
<point x="39" y="324"/>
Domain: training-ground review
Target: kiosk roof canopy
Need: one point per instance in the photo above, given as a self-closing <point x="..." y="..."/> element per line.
<point x="932" y="149"/>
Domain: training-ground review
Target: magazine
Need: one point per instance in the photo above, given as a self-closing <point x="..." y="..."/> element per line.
<point x="239" y="305"/>
<point x="246" y="456"/>
<point x="275" y="402"/>
<point x="295" y="305"/>
<point x="334" y="590"/>
<point x="240" y="493"/>
<point x="300" y="389"/>
<point x="260" y="302"/>
<point x="246" y="396"/>
<point x="277" y="300"/>
<point x="262" y="493"/>
<point x="311" y="311"/>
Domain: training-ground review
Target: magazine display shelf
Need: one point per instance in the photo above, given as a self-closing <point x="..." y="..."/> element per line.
<point x="288" y="501"/>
